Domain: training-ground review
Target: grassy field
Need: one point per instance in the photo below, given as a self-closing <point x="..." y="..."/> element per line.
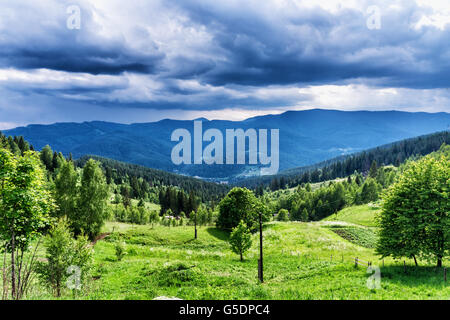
<point x="363" y="215"/>
<point x="148" y="205"/>
<point x="301" y="261"/>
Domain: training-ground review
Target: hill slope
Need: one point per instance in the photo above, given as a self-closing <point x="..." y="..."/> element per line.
<point x="119" y="170"/>
<point x="306" y="137"/>
<point x="364" y="215"/>
<point x="393" y="153"/>
<point x="297" y="265"/>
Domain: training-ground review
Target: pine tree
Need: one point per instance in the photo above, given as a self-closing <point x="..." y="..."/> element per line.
<point x="373" y="170"/>
<point x="13" y="146"/>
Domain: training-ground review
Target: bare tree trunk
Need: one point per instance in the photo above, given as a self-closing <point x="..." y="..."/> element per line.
<point x="242" y="258"/>
<point x="195" y="221"/>
<point x="415" y="260"/>
<point x="5" y="277"/>
<point x="58" y="288"/>
<point x="19" y="273"/>
<point x="28" y="271"/>
<point x="439" y="262"/>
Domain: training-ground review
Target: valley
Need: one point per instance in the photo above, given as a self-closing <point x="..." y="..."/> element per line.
<point x="163" y="235"/>
<point x="305" y="138"/>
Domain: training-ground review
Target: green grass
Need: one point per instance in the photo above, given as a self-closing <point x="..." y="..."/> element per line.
<point x="148" y="205"/>
<point x="302" y="261"/>
<point x="363" y="215"/>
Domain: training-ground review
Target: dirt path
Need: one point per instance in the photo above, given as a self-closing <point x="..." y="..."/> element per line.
<point x="100" y="237"/>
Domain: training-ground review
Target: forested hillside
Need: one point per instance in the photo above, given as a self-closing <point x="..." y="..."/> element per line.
<point x="128" y="181"/>
<point x="142" y="179"/>
<point x="306" y="138"/>
<point x="390" y="154"/>
<point x="101" y="214"/>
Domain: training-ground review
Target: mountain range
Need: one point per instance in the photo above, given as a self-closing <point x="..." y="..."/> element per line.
<point x="306" y="137"/>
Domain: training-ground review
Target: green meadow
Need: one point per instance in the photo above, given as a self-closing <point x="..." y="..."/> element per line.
<point x="301" y="261"/>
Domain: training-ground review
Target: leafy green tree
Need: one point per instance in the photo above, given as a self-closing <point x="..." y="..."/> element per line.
<point x="209" y="216"/>
<point x="25" y="204"/>
<point x="92" y="206"/>
<point x="57" y="161"/>
<point x="240" y="204"/>
<point x="304" y="215"/>
<point x="415" y="220"/>
<point x="143" y="215"/>
<point x="46" y="156"/>
<point x="63" y="251"/>
<point x="202" y="216"/>
<point x="120" y="213"/>
<point x="369" y="192"/>
<point x="153" y="217"/>
<point x="381" y="177"/>
<point x="283" y="215"/>
<point x="66" y="190"/>
<point x="240" y="239"/>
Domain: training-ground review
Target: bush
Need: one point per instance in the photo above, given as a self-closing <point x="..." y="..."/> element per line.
<point x="120" y="251"/>
<point x="64" y="253"/>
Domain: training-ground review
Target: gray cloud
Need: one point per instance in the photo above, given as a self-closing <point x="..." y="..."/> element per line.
<point x="205" y="55"/>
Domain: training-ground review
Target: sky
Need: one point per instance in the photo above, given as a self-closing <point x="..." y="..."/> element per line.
<point x="146" y="60"/>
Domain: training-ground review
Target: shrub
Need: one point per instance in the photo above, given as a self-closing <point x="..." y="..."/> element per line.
<point x="64" y="253"/>
<point x="120" y="251"/>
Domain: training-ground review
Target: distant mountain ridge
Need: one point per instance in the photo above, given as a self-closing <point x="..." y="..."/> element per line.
<point x="343" y="166"/>
<point x="306" y="137"/>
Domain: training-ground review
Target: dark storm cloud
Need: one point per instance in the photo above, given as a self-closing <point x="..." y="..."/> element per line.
<point x="211" y="55"/>
<point x="80" y="58"/>
<point x="250" y="47"/>
<point x="32" y="44"/>
<point x="313" y="46"/>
